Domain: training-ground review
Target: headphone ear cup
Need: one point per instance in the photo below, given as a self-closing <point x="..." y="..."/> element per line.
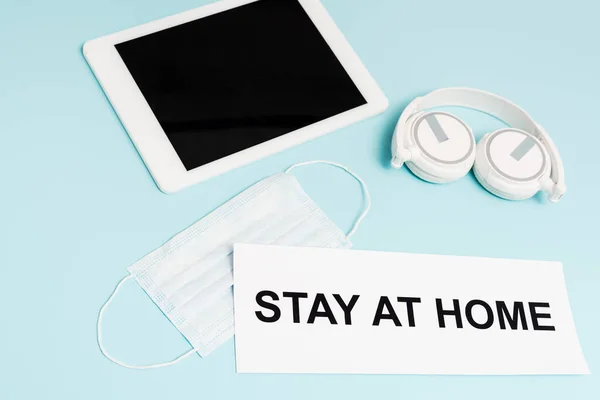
<point x="441" y="146"/>
<point x="401" y="142"/>
<point x="502" y="168"/>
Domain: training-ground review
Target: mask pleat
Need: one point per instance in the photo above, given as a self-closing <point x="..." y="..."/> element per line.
<point x="210" y="242"/>
<point x="193" y="288"/>
<point x="265" y="229"/>
<point x="203" y="317"/>
<point x="310" y="234"/>
<point x="190" y="278"/>
<point x="204" y="245"/>
<point x="209" y="296"/>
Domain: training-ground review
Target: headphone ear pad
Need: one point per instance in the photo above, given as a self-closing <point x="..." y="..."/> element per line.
<point x="441" y="145"/>
<point x="502" y="171"/>
<point x="482" y="167"/>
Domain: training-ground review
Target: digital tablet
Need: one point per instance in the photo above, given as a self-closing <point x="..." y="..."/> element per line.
<point x="217" y="87"/>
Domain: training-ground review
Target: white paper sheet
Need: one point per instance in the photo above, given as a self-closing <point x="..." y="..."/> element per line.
<point x="376" y="334"/>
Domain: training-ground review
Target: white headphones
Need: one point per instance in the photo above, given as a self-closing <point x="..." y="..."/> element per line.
<point x="513" y="163"/>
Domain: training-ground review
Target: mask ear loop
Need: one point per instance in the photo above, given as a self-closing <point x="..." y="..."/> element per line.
<point x="358" y="178"/>
<point x="114" y="360"/>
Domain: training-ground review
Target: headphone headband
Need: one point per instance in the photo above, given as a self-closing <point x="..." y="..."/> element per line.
<point x="486" y="102"/>
<point x="498" y="107"/>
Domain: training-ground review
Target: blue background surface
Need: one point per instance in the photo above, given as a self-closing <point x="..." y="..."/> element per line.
<point x="78" y="206"/>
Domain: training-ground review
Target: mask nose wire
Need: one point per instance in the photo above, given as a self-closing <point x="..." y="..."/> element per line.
<point x="111" y="358"/>
<point x="355" y="176"/>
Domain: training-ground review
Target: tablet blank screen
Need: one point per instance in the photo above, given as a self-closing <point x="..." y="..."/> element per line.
<point x="229" y="81"/>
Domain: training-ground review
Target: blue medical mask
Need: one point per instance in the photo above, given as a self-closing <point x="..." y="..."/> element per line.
<point x="190" y="277"/>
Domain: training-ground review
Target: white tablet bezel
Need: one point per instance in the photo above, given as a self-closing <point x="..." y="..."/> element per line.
<point x="151" y="141"/>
